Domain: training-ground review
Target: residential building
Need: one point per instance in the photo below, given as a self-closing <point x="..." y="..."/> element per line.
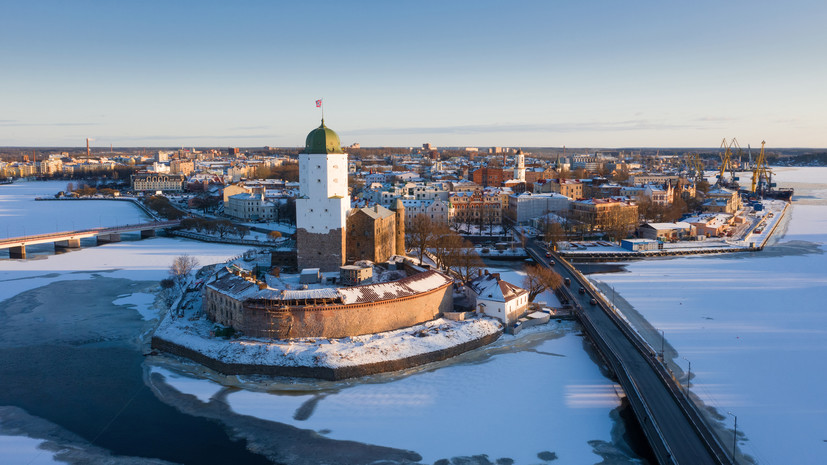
<point x="497" y="298"/>
<point x="146" y="181"/>
<point x="522" y="208"/>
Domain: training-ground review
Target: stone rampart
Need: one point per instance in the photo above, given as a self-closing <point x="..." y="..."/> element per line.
<point x="261" y="318"/>
<point x="322" y="372"/>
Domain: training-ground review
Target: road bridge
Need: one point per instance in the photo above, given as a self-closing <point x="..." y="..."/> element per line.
<point x="676" y="430"/>
<point x="71" y="239"/>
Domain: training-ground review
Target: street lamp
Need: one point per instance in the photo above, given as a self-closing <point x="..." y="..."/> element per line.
<point x="662" y="344"/>
<point x="734" y="436"/>
<point x="689" y="373"/>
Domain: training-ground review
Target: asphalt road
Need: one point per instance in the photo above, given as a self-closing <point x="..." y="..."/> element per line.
<point x="676" y="429"/>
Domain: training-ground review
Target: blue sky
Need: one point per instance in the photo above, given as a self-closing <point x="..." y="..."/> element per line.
<point x="453" y="73"/>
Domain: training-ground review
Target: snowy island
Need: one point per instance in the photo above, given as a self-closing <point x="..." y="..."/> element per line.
<point x="237" y="319"/>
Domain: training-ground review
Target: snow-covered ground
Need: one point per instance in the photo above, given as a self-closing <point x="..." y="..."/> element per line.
<point x="753" y="326"/>
<point x="421" y="339"/>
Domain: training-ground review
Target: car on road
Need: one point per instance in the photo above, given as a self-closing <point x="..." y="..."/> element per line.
<point x="551" y="262"/>
<point x="567" y="282"/>
<point x="581" y="290"/>
<point x="593" y="301"/>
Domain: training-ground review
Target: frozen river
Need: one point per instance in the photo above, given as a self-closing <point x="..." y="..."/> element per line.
<point x="77" y="387"/>
<point x="753" y="326"/>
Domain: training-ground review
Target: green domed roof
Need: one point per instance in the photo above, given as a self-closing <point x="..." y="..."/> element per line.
<point x="322" y="140"/>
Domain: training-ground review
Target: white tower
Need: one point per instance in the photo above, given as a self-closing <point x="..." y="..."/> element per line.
<point x="323" y="203"/>
<point x="519" y="168"/>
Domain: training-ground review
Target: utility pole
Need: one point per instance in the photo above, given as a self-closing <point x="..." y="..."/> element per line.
<point x="734" y="437"/>
<point x="662" y="344"/>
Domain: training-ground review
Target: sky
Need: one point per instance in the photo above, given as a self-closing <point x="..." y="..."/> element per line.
<point x="394" y="73"/>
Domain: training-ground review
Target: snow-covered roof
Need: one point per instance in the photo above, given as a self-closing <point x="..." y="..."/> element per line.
<point x="412" y="285"/>
<point x="676" y="225"/>
<point x="491" y="287"/>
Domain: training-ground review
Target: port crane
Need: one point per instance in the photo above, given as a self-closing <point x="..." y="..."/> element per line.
<point x="728" y="165"/>
<point x="761" y="174"/>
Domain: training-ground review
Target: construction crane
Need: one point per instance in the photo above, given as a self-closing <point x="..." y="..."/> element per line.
<point x="694" y="167"/>
<point x="761" y="174"/>
<point x="726" y="164"/>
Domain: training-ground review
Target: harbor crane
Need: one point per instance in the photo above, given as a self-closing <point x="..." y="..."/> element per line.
<point x="728" y="165"/>
<point x="761" y="174"/>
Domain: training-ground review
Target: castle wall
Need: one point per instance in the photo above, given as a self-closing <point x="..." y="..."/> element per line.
<point x="336" y="321"/>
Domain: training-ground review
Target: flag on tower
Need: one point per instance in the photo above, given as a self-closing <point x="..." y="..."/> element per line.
<point x="318" y="103"/>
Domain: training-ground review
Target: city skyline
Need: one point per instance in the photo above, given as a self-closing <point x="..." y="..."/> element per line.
<point x="533" y="74"/>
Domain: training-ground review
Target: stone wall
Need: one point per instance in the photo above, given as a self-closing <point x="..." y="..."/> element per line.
<point x="327" y="373"/>
<point x="257" y="319"/>
<point x="324" y="251"/>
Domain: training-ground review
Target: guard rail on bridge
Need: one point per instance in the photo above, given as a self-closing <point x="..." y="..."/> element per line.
<point x="711" y="450"/>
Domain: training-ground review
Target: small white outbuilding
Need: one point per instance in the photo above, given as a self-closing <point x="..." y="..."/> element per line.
<point x="496" y="298"/>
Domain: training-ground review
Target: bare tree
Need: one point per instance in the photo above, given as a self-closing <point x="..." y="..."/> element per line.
<point x="553" y="233"/>
<point x="445" y="242"/>
<point x="420" y="234"/>
<point x="241" y="231"/>
<point x="465" y="261"/>
<point x="182" y="266"/>
<point x="224" y="227"/>
<point x="539" y="278"/>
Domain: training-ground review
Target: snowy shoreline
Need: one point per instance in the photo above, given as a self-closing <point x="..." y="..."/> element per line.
<point x="331" y="359"/>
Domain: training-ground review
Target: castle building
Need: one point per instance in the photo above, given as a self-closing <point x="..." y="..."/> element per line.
<point x="371" y="234"/>
<point x="323" y="202"/>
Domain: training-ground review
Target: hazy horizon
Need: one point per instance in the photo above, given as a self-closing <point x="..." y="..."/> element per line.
<point x="482" y="73"/>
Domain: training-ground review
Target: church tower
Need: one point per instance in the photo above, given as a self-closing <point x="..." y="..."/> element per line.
<point x="323" y="203"/>
<point x="519" y="168"/>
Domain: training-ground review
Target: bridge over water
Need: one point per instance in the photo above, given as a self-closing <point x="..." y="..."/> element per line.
<point x="676" y="430"/>
<point x="71" y="239"/>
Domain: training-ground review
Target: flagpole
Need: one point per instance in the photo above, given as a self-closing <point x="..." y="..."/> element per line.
<point x="322" y="108"/>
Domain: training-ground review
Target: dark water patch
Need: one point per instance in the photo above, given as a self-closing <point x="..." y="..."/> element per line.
<point x="591" y="268"/>
<point x="60" y="443"/>
<point x="99" y="395"/>
<point x="40" y="276"/>
<point x="626" y="431"/>
<point x="307" y="408"/>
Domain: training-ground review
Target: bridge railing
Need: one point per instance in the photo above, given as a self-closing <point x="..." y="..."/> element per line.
<point x="98" y="230"/>
<point x="711" y="440"/>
